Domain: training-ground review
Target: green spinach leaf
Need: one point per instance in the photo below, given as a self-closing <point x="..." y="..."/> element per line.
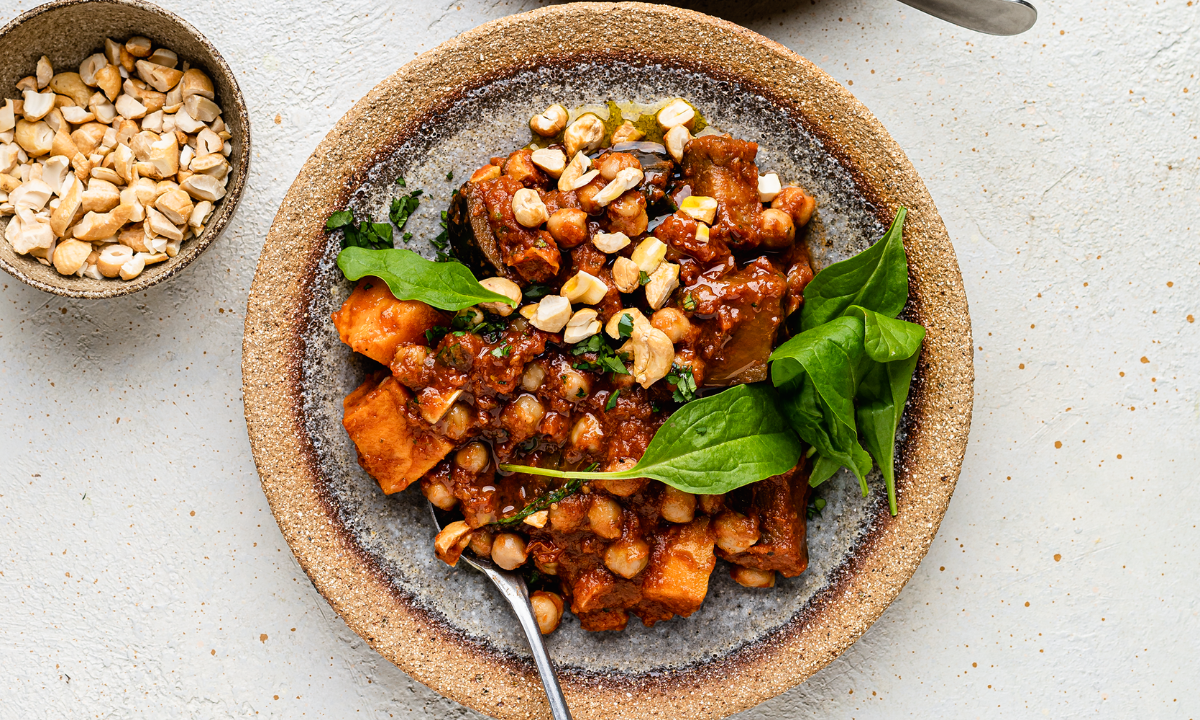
<point x="881" y="403"/>
<point x="712" y="445"/>
<point x="876" y="279"/>
<point x="446" y="286"/>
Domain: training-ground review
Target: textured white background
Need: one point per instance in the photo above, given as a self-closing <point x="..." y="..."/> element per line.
<point x="141" y="573"/>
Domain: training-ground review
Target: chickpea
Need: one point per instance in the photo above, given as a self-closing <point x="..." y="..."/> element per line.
<point x="797" y="203"/>
<point x="457" y="422"/>
<point x="523" y="415"/>
<point x="712" y="504"/>
<point x="481" y="542"/>
<point x="627" y="557"/>
<point x="777" y="230"/>
<point x="627" y="214"/>
<point x="567" y="516"/>
<point x="568" y="227"/>
<point x="575" y="386"/>
<point x="533" y="376"/>
<point x="473" y="458"/>
<point x="587" y="435"/>
<point x="751" y="578"/>
<point x="438" y="494"/>
<point x="587" y="196"/>
<point x="677" y="506"/>
<point x="736" y="533"/>
<point x="611" y="163"/>
<point x="508" y="551"/>
<point x="548" y="609"/>
<point x="673" y="322"/>
<point x="604" y="516"/>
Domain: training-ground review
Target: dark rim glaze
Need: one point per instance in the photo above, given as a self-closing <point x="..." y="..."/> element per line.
<point x="233" y="105"/>
<point x="465" y="669"/>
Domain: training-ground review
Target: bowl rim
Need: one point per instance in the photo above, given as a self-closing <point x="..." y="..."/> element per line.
<point x="415" y="638"/>
<point x="233" y="193"/>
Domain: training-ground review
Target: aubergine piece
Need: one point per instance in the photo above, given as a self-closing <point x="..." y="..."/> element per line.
<point x="471" y="237"/>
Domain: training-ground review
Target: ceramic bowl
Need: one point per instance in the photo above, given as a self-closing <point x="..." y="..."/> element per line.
<point x="67" y="31"/>
<point x="370" y="555"/>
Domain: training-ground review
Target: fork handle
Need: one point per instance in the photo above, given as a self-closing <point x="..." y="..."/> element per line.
<point x="514" y="591"/>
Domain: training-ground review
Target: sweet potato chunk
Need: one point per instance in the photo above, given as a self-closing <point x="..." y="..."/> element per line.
<point x="779" y="504"/>
<point x="373" y="322"/>
<point x="393" y="447"/>
<point x="680" y="563"/>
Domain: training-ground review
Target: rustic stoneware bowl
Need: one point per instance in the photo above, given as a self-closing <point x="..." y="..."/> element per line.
<point x="371" y="556"/>
<point x="67" y="31"/>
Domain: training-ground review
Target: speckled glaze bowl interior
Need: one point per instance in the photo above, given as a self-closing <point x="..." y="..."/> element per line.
<point x="371" y="555"/>
<point x="67" y="31"/>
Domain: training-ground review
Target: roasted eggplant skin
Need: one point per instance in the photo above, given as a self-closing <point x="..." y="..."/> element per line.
<point x="471" y="238"/>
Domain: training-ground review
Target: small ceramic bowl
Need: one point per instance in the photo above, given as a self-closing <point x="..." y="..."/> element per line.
<point x="67" y="31"/>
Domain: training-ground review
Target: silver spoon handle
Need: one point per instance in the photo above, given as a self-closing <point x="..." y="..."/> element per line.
<point x="514" y="591"/>
<point x="993" y="17"/>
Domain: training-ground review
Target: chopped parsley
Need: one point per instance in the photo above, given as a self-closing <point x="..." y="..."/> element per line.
<point x="533" y="292"/>
<point x="815" y="507"/>
<point x="400" y="181"/>
<point x="643" y="278"/>
<point x="502" y="351"/>
<point x="403" y="207"/>
<point x="685" y="384"/>
<point x="606" y="360"/>
<point x="371" y="235"/>
<point x="625" y="326"/>
<point x="612" y="400"/>
<point x="450" y="175"/>
<point x="689" y="302"/>
<point x="434" y="334"/>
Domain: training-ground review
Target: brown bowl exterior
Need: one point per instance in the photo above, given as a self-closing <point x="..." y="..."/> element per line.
<point x="67" y="31"/>
<point x="278" y="323"/>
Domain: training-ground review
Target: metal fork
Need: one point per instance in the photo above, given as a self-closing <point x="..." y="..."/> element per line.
<point x="512" y="587"/>
<point x="993" y="17"/>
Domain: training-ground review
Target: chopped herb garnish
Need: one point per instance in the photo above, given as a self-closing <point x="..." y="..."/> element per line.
<point x="407" y="237"/>
<point x="685" y="384"/>
<point x="533" y="292"/>
<point x="370" y="235"/>
<point x="400" y="181"/>
<point x="815" y="507"/>
<point x="434" y="334"/>
<point x="547" y="500"/>
<point x="403" y="207"/>
<point x="612" y="400"/>
<point x="502" y="351"/>
<point x="606" y="360"/>
<point x="450" y="175"/>
<point x="643" y="278"/>
<point x="689" y="302"/>
<point x="625" y="326"/>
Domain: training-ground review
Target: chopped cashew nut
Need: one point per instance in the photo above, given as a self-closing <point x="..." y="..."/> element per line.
<point x="582" y="325"/>
<point x="553" y="312"/>
<point x="574" y="172"/>
<point x="648" y="254"/>
<point x="552" y="161"/>
<point x="768" y="187"/>
<point x="676" y="139"/>
<point x="663" y="282"/>
<point x="584" y="288"/>
<point x="551" y="122"/>
<point x="70" y="256"/>
<point x="501" y="286"/>
<point x="653" y="354"/>
<point x="583" y="135"/>
<point x="133" y="267"/>
<point x="528" y="208"/>
<point x="626" y="179"/>
<point x="112" y="258"/>
<point x="610" y="242"/>
<point x="626" y="275"/>
<point x="699" y="208"/>
<point x="636" y="318"/>
<point x="677" y="113"/>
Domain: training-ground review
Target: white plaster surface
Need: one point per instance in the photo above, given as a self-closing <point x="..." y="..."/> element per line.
<point x="141" y="573"/>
